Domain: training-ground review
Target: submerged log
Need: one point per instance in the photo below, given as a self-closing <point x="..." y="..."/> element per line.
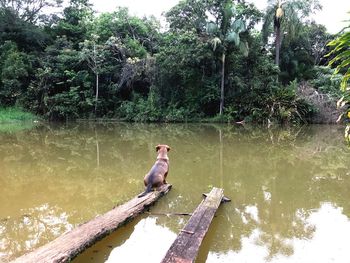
<point x="185" y="247"/>
<point x="72" y="243"/>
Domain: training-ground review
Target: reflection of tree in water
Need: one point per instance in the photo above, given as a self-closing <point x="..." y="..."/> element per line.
<point x="57" y="166"/>
<point x="83" y="169"/>
<point x="35" y="227"/>
<point x="274" y="177"/>
<point x="282" y="187"/>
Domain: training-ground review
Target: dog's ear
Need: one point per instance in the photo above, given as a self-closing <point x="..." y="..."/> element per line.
<point x="168" y="148"/>
<point x="157" y="148"/>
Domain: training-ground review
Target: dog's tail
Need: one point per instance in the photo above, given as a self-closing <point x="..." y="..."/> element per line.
<point x="148" y="189"/>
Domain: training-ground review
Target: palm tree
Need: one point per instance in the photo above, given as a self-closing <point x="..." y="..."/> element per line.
<point x="225" y="33"/>
<point x="283" y="18"/>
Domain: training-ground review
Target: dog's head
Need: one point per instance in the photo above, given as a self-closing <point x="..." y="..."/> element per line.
<point x="162" y="146"/>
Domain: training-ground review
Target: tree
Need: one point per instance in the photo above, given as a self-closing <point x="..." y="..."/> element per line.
<point x="188" y="15"/>
<point x="62" y="85"/>
<point x="14" y="72"/>
<point x="221" y="23"/>
<point x="29" y="11"/>
<point x="300" y="54"/>
<point x="283" y="19"/>
<point x="76" y="21"/>
<point x="141" y="36"/>
<point x="27" y="36"/>
<point x="93" y="54"/>
<point x="225" y="33"/>
<point x="185" y="74"/>
<point x="318" y="38"/>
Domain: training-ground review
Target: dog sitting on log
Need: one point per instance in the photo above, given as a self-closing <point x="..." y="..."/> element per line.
<point x="159" y="171"/>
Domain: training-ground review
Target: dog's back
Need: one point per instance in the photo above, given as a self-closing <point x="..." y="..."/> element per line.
<point x="156" y="176"/>
<point x="159" y="171"/>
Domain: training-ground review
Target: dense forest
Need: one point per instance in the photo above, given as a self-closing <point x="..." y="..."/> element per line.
<point x="210" y="61"/>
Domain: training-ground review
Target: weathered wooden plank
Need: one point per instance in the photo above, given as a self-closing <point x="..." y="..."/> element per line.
<point x="225" y="199"/>
<point x="70" y="244"/>
<point x="185" y="247"/>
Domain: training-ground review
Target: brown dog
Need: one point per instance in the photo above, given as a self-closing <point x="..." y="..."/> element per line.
<point x="159" y="171"/>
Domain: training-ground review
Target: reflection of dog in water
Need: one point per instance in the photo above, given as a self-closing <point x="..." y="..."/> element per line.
<point x="157" y="175"/>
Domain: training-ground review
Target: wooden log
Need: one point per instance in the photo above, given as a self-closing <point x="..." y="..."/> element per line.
<point x="70" y="244"/>
<point x="225" y="199"/>
<point x="185" y="247"/>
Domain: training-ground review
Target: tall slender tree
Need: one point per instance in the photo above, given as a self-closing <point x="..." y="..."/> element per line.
<point x="283" y="19"/>
<point x="220" y="22"/>
<point x="93" y="54"/>
<point x="225" y="33"/>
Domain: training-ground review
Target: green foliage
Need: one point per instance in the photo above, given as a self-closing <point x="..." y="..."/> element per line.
<point x="189" y="15"/>
<point x="285" y="107"/>
<point x="286" y="18"/>
<point x="326" y="81"/>
<point x="139" y="36"/>
<point x="296" y="63"/>
<point x="186" y="70"/>
<point x="341" y="51"/>
<point x="14" y="73"/>
<point x="60" y="82"/>
<point x="64" y="105"/>
<point x="76" y="21"/>
<point x="147" y="110"/>
<point x="83" y="65"/>
<point x="340" y="47"/>
<point x="259" y="97"/>
<point x="300" y="54"/>
<point x="93" y="54"/>
<point x="140" y="109"/>
<point x="29" y="11"/>
<point x="18" y="20"/>
<point x="14" y="114"/>
<point x="136" y="50"/>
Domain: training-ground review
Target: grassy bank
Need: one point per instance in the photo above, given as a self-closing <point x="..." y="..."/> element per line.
<point x="15" y="119"/>
<point x="9" y="115"/>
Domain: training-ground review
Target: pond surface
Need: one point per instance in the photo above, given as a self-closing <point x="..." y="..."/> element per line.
<point x="290" y="190"/>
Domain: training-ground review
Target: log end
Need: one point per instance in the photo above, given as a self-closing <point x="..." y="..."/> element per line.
<point x="223" y="200"/>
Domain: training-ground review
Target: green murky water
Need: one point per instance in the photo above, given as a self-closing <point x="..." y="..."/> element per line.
<point x="289" y="190"/>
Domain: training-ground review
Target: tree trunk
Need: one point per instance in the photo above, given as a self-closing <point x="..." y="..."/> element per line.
<point x="278" y="45"/>
<point x="96" y="98"/>
<point x="222" y="84"/>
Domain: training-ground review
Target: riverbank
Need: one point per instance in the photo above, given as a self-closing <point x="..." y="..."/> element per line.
<point x="10" y="115"/>
<point x="15" y="119"/>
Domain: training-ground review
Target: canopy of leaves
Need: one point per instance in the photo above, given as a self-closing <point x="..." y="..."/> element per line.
<point x="148" y="73"/>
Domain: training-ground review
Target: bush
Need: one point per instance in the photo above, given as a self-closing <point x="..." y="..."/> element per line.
<point x="178" y="114"/>
<point x="141" y="109"/>
<point x="286" y="107"/>
<point x="327" y="82"/>
<point x="15" y="114"/>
